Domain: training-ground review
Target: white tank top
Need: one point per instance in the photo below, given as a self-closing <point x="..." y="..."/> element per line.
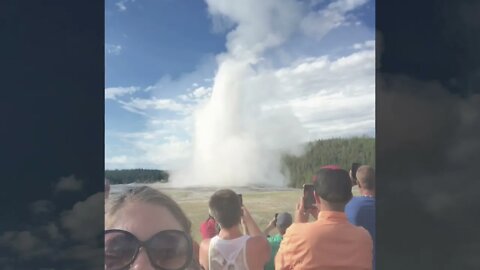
<point x="228" y="254"/>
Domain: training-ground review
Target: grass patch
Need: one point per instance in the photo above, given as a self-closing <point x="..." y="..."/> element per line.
<point x="262" y="204"/>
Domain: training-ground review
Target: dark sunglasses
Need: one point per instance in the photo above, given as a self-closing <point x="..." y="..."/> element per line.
<point x="166" y="250"/>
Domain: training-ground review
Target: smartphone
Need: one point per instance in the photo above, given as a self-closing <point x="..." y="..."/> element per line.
<point x="354" y="169"/>
<point x="308" y="196"/>
<point x="240" y="198"/>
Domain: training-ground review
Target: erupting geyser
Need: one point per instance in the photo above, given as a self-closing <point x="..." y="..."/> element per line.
<point x="239" y="136"/>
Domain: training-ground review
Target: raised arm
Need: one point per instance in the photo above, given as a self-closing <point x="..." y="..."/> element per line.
<point x="251" y="226"/>
<point x="270" y="227"/>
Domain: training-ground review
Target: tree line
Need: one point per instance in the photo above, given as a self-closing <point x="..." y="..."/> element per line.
<point x="136" y="175"/>
<point x="341" y="152"/>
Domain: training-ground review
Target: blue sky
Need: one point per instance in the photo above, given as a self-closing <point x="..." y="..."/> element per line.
<point x="161" y="57"/>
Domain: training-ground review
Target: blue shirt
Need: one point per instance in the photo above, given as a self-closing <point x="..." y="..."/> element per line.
<point x="360" y="211"/>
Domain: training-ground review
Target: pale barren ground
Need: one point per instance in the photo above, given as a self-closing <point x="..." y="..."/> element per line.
<point x="262" y="202"/>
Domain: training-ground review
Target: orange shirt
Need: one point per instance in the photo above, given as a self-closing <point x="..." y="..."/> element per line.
<point x="330" y="243"/>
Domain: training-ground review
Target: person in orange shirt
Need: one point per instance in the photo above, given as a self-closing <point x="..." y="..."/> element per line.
<point x="331" y="242"/>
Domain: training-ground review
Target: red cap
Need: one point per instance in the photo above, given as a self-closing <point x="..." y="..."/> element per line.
<point x="208" y="229"/>
<point x="331" y="167"/>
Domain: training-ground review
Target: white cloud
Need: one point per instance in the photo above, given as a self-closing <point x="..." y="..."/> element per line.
<point x="330" y="98"/>
<point x="201" y="92"/>
<point x="22" y="242"/>
<point x="157" y="148"/>
<point x="339" y="95"/>
<point x="69" y="183"/>
<point x="259" y="24"/>
<point x="113" y="49"/>
<point x="85" y="214"/>
<point x="318" y="24"/>
<point x="122" y="4"/>
<point x="91" y="255"/>
<point x="116" y="92"/>
<point x="365" y="45"/>
<point x="53" y="231"/>
<point x="319" y="95"/>
<point x="197" y="95"/>
<point x="116" y="160"/>
<point x="41" y="207"/>
<point x="143" y="104"/>
<point x="193" y="88"/>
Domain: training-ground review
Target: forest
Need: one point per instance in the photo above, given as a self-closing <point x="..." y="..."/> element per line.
<point x="341" y="152"/>
<point x="136" y="175"/>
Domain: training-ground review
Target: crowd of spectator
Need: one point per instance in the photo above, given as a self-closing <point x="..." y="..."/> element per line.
<point x="146" y="229"/>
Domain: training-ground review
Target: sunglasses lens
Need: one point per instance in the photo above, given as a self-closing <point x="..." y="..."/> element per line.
<point x="120" y="249"/>
<point x="170" y="250"/>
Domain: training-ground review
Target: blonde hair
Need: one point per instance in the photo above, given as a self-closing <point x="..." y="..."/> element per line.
<point x="145" y="194"/>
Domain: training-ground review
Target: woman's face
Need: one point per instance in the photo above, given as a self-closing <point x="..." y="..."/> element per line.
<point x="144" y="220"/>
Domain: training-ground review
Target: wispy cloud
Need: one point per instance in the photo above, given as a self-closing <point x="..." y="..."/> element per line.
<point x="116" y="161"/>
<point x="122" y="4"/>
<point x="197" y="95"/>
<point x="158" y="151"/>
<point x="113" y="49"/>
<point x="60" y="238"/>
<point x="318" y="24"/>
<point x="331" y="97"/>
<point x="69" y="183"/>
<point x="22" y="242"/>
<point x="365" y="45"/>
<point x="182" y="104"/>
<point x="84" y="214"/>
<point x="144" y="104"/>
<point x="41" y="207"/>
<point x="115" y="92"/>
<point x="328" y="95"/>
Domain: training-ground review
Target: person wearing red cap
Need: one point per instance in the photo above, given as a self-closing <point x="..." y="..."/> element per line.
<point x="331" y="242"/>
<point x="328" y="167"/>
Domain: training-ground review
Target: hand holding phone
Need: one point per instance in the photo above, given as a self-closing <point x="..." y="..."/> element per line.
<point x="354" y="169"/>
<point x="240" y="198"/>
<point x="309" y="201"/>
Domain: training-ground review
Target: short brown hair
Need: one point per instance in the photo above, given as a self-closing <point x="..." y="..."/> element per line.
<point x="366" y="177"/>
<point x="150" y="195"/>
<point x="333" y="185"/>
<point x="225" y="208"/>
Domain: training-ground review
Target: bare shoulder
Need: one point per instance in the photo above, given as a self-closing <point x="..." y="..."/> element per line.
<point x="258" y="239"/>
<point x="259" y="243"/>
<point x="203" y="253"/>
<point x="259" y="249"/>
<point x="205" y="244"/>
